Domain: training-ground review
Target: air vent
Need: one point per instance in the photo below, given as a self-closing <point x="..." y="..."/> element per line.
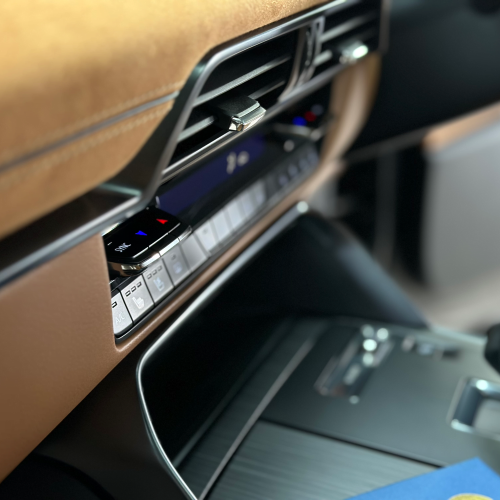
<point x="348" y="35"/>
<point x="237" y="93"/>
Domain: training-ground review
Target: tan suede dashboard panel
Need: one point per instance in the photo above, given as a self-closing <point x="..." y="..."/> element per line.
<point x="67" y="66"/>
<point x="36" y="187"/>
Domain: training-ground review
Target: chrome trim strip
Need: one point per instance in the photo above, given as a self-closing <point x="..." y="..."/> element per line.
<point x="203" y="98"/>
<point x="277" y="385"/>
<point x="249" y="253"/>
<point x="197" y="127"/>
<point x="347" y="26"/>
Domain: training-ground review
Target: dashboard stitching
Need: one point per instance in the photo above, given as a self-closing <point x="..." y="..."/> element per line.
<point x="83" y="147"/>
<point x="90" y="120"/>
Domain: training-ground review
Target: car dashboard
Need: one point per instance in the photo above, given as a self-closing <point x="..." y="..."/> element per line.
<point x="182" y="314"/>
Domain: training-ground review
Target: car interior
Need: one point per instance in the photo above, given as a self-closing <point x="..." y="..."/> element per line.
<point x="249" y="250"/>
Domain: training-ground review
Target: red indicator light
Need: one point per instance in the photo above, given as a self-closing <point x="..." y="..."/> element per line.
<point x="163" y="221"/>
<point x="310" y="116"/>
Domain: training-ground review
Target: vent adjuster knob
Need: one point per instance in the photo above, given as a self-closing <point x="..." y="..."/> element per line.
<point x="238" y="113"/>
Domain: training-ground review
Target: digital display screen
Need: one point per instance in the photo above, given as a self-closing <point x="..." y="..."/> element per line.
<point x="217" y="171"/>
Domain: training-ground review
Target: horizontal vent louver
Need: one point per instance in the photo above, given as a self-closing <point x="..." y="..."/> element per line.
<point x="260" y="73"/>
<point x="359" y="23"/>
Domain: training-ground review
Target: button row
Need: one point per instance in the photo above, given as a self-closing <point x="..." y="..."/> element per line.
<point x="139" y="296"/>
<point x="140" y="241"/>
<point x="217" y="230"/>
<point x="175" y="262"/>
<point x="290" y="172"/>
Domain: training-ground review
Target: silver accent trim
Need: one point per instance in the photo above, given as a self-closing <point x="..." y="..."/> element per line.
<point x="240" y="123"/>
<point x="186" y="233"/>
<point x="277" y="385"/>
<point x="487" y="389"/>
<point x="171" y="245"/>
<point x="134" y="269"/>
<point x="347" y="26"/>
<point x="242" y="79"/>
<point x="323" y="57"/>
<point x="156" y="242"/>
<point x="197" y="127"/>
<point x="250" y="252"/>
<point x="276" y="84"/>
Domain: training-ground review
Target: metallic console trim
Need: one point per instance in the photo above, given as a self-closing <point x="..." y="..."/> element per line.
<point x="278" y="384"/>
<point x="249" y="253"/>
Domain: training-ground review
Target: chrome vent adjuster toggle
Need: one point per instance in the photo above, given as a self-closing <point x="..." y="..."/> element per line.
<point x="238" y="113"/>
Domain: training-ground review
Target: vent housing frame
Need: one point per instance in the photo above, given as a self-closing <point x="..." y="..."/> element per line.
<point x="305" y="75"/>
<point x="133" y="188"/>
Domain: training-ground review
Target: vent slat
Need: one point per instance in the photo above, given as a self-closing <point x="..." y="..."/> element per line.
<point x="345" y="27"/>
<point x="327" y="54"/>
<point x="196" y="127"/>
<point x="193" y="127"/>
<point x="323" y="58"/>
<point x="268" y="88"/>
<point x="259" y="73"/>
<point x="202" y="99"/>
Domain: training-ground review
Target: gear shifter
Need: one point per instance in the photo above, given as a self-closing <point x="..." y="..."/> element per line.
<point x="492" y="348"/>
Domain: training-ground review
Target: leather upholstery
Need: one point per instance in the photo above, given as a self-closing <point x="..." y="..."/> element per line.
<point x="56" y="344"/>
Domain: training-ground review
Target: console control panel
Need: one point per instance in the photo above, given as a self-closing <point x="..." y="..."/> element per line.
<point x="152" y="254"/>
<point x="142" y="240"/>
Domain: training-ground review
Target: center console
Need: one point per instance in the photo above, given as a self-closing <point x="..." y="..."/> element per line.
<point x="297" y="368"/>
<point x="300" y="370"/>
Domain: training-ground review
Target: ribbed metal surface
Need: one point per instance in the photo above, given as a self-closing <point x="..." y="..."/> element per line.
<point x="201" y="464"/>
<point x="280" y="463"/>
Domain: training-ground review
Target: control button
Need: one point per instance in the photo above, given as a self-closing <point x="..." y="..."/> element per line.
<point x="234" y="214"/>
<point x="304" y="164"/>
<point x="121" y="317"/>
<point x="194" y="254"/>
<point x="207" y="237"/>
<point x="282" y="179"/>
<point x="312" y="156"/>
<point x="137" y="298"/>
<point x="293" y="170"/>
<point x="182" y="231"/>
<point x="163" y="225"/>
<point x="248" y="204"/>
<point x="176" y="265"/>
<point x="272" y="184"/>
<point x="138" y="230"/>
<point x="221" y="226"/>
<point x="125" y="246"/>
<point x="129" y="242"/>
<point x="168" y="245"/>
<point x="259" y="194"/>
<point x="158" y="282"/>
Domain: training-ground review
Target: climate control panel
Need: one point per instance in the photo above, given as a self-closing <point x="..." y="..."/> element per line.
<point x="155" y="254"/>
